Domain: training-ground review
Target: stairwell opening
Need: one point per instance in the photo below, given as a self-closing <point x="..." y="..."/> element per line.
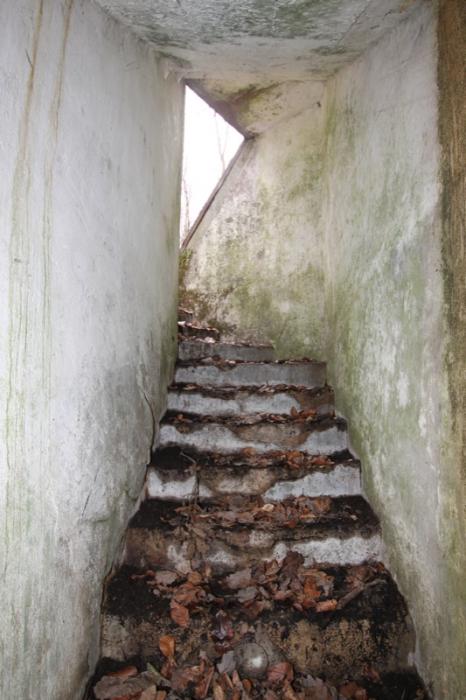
<point x="210" y="144"/>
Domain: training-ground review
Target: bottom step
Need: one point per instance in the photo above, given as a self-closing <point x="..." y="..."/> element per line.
<point x="331" y="622"/>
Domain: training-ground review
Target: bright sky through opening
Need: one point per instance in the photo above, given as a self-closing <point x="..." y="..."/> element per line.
<point x="209" y="145"/>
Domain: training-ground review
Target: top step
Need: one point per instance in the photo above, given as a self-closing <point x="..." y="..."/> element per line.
<point x="197" y="349"/>
<point x="190" y="329"/>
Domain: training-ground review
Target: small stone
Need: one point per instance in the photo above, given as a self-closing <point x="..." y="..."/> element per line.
<point x="252" y="660"/>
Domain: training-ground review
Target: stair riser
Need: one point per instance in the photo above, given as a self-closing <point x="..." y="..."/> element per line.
<point x="344" y="648"/>
<point x="308" y="374"/>
<point x="151" y="548"/>
<point x="189" y="350"/>
<point x="188" y="331"/>
<point x="167" y="484"/>
<point x="246" y="404"/>
<point x="185" y="316"/>
<point x="274" y="436"/>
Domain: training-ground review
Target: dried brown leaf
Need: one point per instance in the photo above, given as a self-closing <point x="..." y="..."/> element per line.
<point x="219" y="693"/>
<point x="279" y="672"/>
<point x="167" y="646"/>
<point x="149" y="694"/>
<point x="195" y="578"/>
<point x="179" y="614"/>
<point x="327" y="605"/>
<point x="122" y="673"/>
<point x="202" y="688"/>
<point x="353" y="691"/>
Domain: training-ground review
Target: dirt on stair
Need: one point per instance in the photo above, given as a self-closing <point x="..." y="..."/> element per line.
<point x="235" y="595"/>
<point x="196" y="627"/>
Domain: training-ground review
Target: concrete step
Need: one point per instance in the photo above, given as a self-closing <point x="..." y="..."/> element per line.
<point x="189" y="329"/>
<point x="306" y="373"/>
<point x="262" y="433"/>
<point x="371" y="631"/>
<point x="185" y="315"/>
<point x="189" y="350"/>
<point x="228" y="536"/>
<point x="182" y="475"/>
<point x="230" y="401"/>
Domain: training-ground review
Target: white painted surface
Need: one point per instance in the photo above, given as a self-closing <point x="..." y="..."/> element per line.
<point x="90" y="163"/>
<point x="339" y="481"/>
<point x="350" y="551"/>
<point x="219" y="438"/>
<point x="331" y="550"/>
<point x="173" y="489"/>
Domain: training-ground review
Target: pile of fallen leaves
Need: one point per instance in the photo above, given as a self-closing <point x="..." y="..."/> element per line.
<point x="256" y="588"/>
<point x="245" y="510"/>
<point x="247" y="457"/>
<point x="186" y="419"/>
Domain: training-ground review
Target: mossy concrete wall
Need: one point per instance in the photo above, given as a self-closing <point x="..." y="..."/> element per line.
<point x="391" y="338"/>
<point x="90" y="148"/>
<point x="256" y="263"/>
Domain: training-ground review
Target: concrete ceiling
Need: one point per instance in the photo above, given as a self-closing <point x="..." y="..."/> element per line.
<point x="229" y="49"/>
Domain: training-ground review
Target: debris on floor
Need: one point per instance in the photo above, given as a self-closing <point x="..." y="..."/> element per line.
<point x="252" y="570"/>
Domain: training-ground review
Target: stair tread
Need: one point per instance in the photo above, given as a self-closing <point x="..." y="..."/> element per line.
<point x="310" y="373"/>
<point x="178" y="474"/>
<point x="263" y="433"/>
<point x="229" y="343"/>
<point x="230" y="400"/>
<point x="129" y="593"/>
<point x="228" y="391"/>
<point x="319" y="517"/>
<point x="230" y="364"/>
<point x="292" y="462"/>
<point x="304" y="420"/>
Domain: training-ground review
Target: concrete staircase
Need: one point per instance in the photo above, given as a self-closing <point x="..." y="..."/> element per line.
<point x="254" y="544"/>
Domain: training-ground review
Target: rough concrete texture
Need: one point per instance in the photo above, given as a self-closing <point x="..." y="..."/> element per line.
<point x="233" y="50"/>
<point x="390" y="336"/>
<point x="90" y="158"/>
<point x="256" y="262"/>
<point x="242" y="401"/>
<point x="316" y="439"/>
<point x="309" y="374"/>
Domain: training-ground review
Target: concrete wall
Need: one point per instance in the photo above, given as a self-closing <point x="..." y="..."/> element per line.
<point x="256" y="264"/>
<point x="390" y="337"/>
<point x="89" y="193"/>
